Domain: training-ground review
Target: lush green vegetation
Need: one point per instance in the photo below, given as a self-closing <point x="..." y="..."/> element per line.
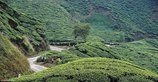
<point x="57" y="20"/>
<point x="12" y="61"/>
<point x="26" y="32"/>
<point x="81" y="31"/>
<point x="115" y="20"/>
<point x="112" y="20"/>
<point x="142" y="53"/>
<point x="19" y="35"/>
<point x="94" y="49"/>
<point x="93" y="70"/>
<point x="54" y="57"/>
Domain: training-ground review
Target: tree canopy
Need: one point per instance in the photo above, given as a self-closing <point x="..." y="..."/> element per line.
<point x="81" y="31"/>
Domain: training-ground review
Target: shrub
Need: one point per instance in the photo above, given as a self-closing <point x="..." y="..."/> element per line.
<point x="55" y="57"/>
<point x="93" y="70"/>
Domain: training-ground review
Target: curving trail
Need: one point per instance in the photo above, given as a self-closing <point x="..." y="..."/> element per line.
<point x="36" y="67"/>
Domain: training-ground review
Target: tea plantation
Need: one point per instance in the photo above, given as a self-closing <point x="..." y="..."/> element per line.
<point x="93" y="70"/>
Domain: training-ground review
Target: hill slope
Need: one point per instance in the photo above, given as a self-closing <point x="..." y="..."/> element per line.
<point x="142" y="53"/>
<point x="19" y="35"/>
<point x="13" y="62"/>
<point x="112" y="20"/>
<point x="93" y="70"/>
<point x="123" y="20"/>
<point x="25" y="32"/>
<point x="57" y="20"/>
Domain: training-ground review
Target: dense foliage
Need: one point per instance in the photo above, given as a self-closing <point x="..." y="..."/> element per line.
<point x="116" y="20"/>
<point x="54" y="57"/>
<point x="93" y="70"/>
<point x="142" y="53"/>
<point x="111" y="20"/>
<point x="81" y="32"/>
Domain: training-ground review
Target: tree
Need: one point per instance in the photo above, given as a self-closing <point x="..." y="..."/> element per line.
<point x="81" y="31"/>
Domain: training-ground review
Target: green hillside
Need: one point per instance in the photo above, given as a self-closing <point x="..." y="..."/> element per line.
<point x="57" y="20"/>
<point x="19" y="35"/>
<point x="142" y="53"/>
<point x="25" y="32"/>
<point x="12" y="61"/>
<point x="93" y="70"/>
<point x="121" y="45"/>
<point x="115" y="20"/>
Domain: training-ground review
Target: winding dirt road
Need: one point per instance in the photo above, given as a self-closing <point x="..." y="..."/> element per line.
<point x="38" y="68"/>
<point x="35" y="67"/>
